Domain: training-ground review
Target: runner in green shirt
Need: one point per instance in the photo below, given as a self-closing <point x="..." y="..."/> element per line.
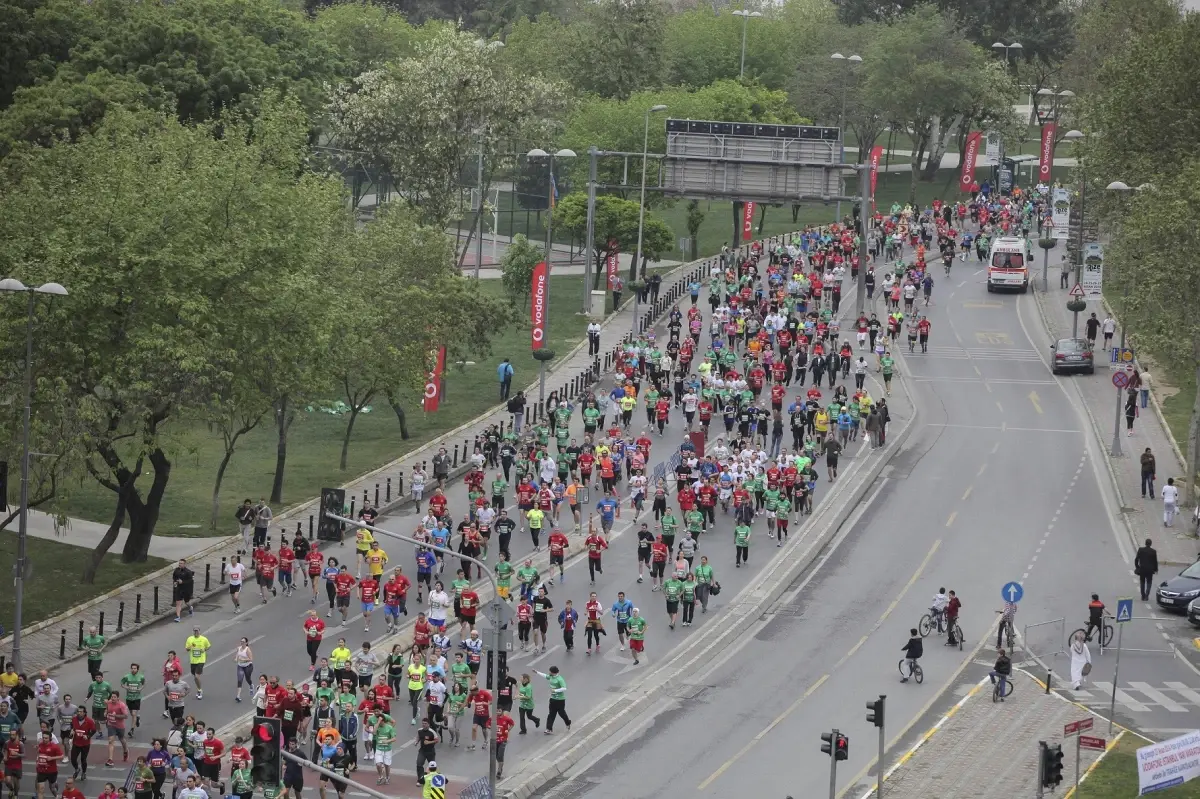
<point x="94" y="643"/>
<point x="460" y="672"/>
<point x="591" y="417"/>
<point x="456" y="706"/>
<point x="525" y="703"/>
<point x="499" y="486"/>
<point x="528" y="577"/>
<point x="385" y="737"/>
<point x="562" y="416"/>
<point x="695" y="522"/>
<point x="543" y="435"/>
<point x="637" y="635"/>
<point x="669" y="525"/>
<point x="133" y="683"/>
<point x="99" y="691"/>
<point x="562" y="437"/>
<point x="672" y="589"/>
<point x="504" y="572"/>
<point x="887" y="365"/>
<point x="241" y="782"/>
<point x="704" y="581"/>
<point x="741" y="542"/>
<point x="688" y="598"/>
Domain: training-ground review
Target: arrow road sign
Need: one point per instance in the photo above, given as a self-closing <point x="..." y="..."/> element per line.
<point x="1124" y="609"/>
<point x="1012" y="592"/>
<point x="1077" y="726"/>
<point x="1077" y="291"/>
<point x="1088" y="742"/>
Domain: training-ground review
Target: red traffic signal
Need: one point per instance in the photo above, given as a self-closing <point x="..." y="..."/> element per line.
<point x="842" y="747"/>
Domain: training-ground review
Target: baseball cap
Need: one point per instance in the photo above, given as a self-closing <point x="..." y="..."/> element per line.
<point x="431" y="764"/>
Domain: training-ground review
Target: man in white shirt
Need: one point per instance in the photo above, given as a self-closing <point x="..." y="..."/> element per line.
<point x="1108" y="327"/>
<point x="593" y="332"/>
<point x="1170" y="498"/>
<point x="43" y="679"/>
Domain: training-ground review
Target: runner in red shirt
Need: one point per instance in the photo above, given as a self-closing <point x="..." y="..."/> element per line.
<point x="287" y="557"/>
<point x="707" y="497"/>
<point x="504" y="723"/>
<point x="395" y="594"/>
<point x="596" y="544"/>
<point x="481" y="709"/>
<point x="82" y="730"/>
<point x="594" y="613"/>
<point x="558" y="543"/>
<point x="923" y="332"/>
<point x="265" y="563"/>
<point x="384" y="694"/>
<point x="468" y="607"/>
<point x="238" y="754"/>
<point x="14" y="753"/>
<point x="422" y="632"/>
<point x="314" y="560"/>
<point x="368" y="589"/>
<point x="48" y="754"/>
<point x="643" y="445"/>
<point x="662" y="409"/>
<point x="437" y="503"/>
<point x="686" y="499"/>
<point x="706" y="411"/>
<point x="778" y="394"/>
<point x="210" y="759"/>
<point x="586" y="461"/>
<point x="343" y="584"/>
<point x="658" y="563"/>
<point x="524" y="622"/>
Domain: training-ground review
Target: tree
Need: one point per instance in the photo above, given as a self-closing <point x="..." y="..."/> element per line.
<point x="615" y="229"/>
<point x="36" y="36"/>
<point x="1104" y="28"/>
<point x="623" y="40"/>
<point x="367" y="36"/>
<point x="695" y="219"/>
<point x="539" y="46"/>
<point x="701" y="47"/>
<point x="823" y="86"/>
<point x="421" y="120"/>
<point x="167" y="237"/>
<point x="517" y="263"/>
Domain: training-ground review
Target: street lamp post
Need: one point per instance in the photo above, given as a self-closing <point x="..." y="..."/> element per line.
<point x="1077" y="136"/>
<point x="13" y="285"/>
<point x="1006" y="48"/>
<point x="493" y="46"/>
<point x="850" y="61"/>
<point x="1123" y="190"/>
<point x="745" y="15"/>
<point x="637" y="263"/>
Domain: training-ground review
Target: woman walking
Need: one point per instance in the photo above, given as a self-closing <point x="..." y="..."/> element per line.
<point x="1081" y="661"/>
<point x="243" y="660"/>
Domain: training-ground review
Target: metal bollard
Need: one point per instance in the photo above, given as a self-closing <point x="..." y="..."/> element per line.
<point x="455" y="464"/>
<point x="207" y="577"/>
<point x="62" y="645"/>
<point x="526" y="417"/>
<point x="377" y="495"/>
<point x="388" y="491"/>
<point x="121" y="616"/>
<point x="223" y="567"/>
<point x="155" y="613"/>
<point x="79" y="646"/>
<point x="400" y="486"/>
<point x="101" y="626"/>
<point x="310" y="527"/>
<point x="468" y="452"/>
<point x="137" y="610"/>
<point x="366" y="498"/>
<point x="1049" y="678"/>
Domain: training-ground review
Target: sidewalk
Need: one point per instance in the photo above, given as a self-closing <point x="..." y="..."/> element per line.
<point x="87" y="534"/>
<point x="1142" y="517"/>
<point x="139" y="603"/>
<point x="987" y="750"/>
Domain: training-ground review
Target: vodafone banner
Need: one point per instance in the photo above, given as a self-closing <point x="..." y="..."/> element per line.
<point x="970" y="156"/>
<point x="612" y="264"/>
<point x="538" y="314"/>
<point x="876" y="155"/>
<point x="433" y="386"/>
<point x="748" y="222"/>
<point x="1046" y="163"/>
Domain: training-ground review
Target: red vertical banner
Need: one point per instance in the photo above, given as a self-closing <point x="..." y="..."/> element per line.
<point x="1046" y="162"/>
<point x="433" y="386"/>
<point x="876" y="155"/>
<point x="747" y="221"/>
<point x="970" y="156"/>
<point x="538" y="312"/>
<point x="612" y="264"/>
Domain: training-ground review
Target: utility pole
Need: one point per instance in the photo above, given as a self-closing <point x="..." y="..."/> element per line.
<point x="479" y="236"/>
<point x="590" y="247"/>
<point x="864" y="218"/>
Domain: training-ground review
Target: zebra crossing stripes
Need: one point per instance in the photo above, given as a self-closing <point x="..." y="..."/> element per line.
<point x="983" y="353"/>
<point x="1140" y="697"/>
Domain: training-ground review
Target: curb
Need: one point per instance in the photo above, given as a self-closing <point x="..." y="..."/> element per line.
<point x="617" y="713"/>
<point x="293" y="511"/>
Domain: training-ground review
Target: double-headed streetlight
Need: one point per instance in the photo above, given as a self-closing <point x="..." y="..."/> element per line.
<point x="1123" y="190"/>
<point x="13" y="285"/>
<point x="745" y="15"/>
<point x="637" y="263"/>
<point x="1006" y="48"/>
<point x="849" y="61"/>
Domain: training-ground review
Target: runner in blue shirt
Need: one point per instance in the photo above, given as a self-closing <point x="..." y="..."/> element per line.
<point x="608" y="507"/>
<point x="426" y="560"/>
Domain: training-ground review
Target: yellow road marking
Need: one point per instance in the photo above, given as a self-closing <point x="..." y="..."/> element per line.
<point x="953" y="516"/>
<point x="983" y="305"/>
<point x="778" y="720"/>
<point x="1035" y="399"/>
<point x="992" y="337"/>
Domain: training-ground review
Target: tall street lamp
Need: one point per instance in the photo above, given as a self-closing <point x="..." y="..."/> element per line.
<point x="13" y="285"/>
<point x="849" y="61"/>
<point x="638" y="269"/>
<point x="1076" y="136"/>
<point x="1000" y="167"/>
<point x="1006" y="48"/>
<point x="745" y="15"/>
<point x="493" y="46"/>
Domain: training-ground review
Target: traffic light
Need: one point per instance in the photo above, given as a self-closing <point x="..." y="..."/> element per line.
<point x="1052" y="775"/>
<point x="827" y="742"/>
<point x="875" y="711"/>
<point x="266" y="751"/>
<point x="843" y="747"/>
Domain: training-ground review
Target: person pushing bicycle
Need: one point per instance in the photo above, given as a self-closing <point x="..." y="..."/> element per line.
<point x="1095" y="616"/>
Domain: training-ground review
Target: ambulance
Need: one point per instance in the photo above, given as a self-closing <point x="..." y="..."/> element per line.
<point x="1008" y="264"/>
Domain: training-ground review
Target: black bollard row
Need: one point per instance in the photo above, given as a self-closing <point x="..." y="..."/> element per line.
<point x="387" y="496"/>
<point x="137" y="610"/>
<point x="223" y="565"/>
<point x="101" y="627"/>
<point x="377" y="495"/>
<point x="154" y="613"/>
<point x="400" y="486"/>
<point x="351" y="507"/>
<point x="79" y="646"/>
<point x="62" y="645"/>
<point x="207" y="577"/>
<point x="455" y="464"/>
<point x="310" y="527"/>
<point x="121" y="616"/>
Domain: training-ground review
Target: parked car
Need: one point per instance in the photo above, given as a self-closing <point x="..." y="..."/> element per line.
<point x="1073" y="355"/>
<point x="1178" y="592"/>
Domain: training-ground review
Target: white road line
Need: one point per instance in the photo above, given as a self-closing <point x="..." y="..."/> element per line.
<point x="1158" y="697"/>
<point x="1185" y="692"/>
<point x="545" y="654"/>
<point x="209" y="662"/>
<point x="1106" y="688"/>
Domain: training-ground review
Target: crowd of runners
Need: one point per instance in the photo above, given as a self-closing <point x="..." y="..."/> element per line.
<point x="767" y="367"/>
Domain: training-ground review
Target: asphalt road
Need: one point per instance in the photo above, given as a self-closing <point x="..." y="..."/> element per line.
<point x="999" y="485"/>
<point x="275" y="631"/>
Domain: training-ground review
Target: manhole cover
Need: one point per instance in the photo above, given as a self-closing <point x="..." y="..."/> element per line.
<point x="1127" y="509"/>
<point x="205" y="608"/>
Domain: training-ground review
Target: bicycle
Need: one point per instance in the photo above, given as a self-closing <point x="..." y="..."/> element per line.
<point x="1106" y="634"/>
<point x="997" y="696"/>
<point x="914" y="670"/>
<point x="925" y="626"/>
<point x="1009" y="634"/>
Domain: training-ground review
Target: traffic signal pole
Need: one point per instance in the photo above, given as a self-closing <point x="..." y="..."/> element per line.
<point x="882" y="762"/>
<point x="494" y="611"/>
<point x="833" y="767"/>
<point x="369" y="790"/>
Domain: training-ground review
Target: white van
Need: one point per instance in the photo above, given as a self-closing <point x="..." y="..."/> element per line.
<point x="1008" y="264"/>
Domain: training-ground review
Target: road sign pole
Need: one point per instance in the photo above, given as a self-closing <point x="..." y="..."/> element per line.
<point x="1112" y="705"/>
<point x="1041" y="768"/>
<point x="882" y="762"/>
<point x="1116" y="442"/>
<point x="1077" y="753"/>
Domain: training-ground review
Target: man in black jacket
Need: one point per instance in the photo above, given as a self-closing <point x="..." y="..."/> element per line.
<point x="913" y="651"/>
<point x="1145" y="566"/>
<point x="183" y="585"/>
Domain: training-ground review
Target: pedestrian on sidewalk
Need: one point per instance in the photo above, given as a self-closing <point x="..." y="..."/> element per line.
<point x="1170" y="498"/>
<point x="1091" y="328"/>
<point x="593" y="334"/>
<point x="1131" y="411"/>
<point x="245" y="516"/>
<point x="1149" y="471"/>
<point x="504" y="372"/>
<point x="1081" y="661"/>
<point x="1144" y="389"/>
<point x="1108" y="327"/>
<point x="262" y="521"/>
<point x="1145" y="566"/>
<point x="616" y="285"/>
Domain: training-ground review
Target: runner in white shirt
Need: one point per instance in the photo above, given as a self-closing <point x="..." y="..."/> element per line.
<point x="439" y="602"/>
<point x="235" y="570"/>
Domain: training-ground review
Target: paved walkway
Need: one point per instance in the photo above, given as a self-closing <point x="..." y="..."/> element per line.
<point x="117" y="612"/>
<point x="1142" y="517"/>
<point x="987" y="750"/>
<point x="87" y="534"/>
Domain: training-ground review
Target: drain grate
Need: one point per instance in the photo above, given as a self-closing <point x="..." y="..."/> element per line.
<point x="568" y="789"/>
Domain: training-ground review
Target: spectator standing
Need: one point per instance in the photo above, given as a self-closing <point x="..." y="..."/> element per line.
<point x="617" y="285"/>
<point x="504" y="373"/>
<point x="262" y="521"/>
<point x="1149" y="470"/>
<point x="1170" y="498"/>
<point x="593" y="334"/>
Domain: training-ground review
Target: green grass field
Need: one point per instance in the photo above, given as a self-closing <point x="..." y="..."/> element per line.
<point x="315" y="440"/>
<point x="54" y="585"/>
<point x="1116" y="777"/>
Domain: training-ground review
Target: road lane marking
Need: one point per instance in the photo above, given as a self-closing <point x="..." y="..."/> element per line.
<point x="211" y="661"/>
<point x="999" y="406"/>
<point x="1158" y="697"/>
<point x="1037" y="405"/>
<point x="545" y="654"/>
<point x="1003" y="428"/>
<point x="1185" y="692"/>
<point x="967" y="493"/>
<point x="983" y="305"/>
<point x="983" y="466"/>
<point x="763" y="734"/>
<point x="953" y="515"/>
<point x="895" y="602"/>
<point x="1106" y="689"/>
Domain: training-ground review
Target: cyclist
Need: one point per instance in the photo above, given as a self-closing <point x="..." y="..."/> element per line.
<point x="1006" y="621"/>
<point x="937" y="608"/>
<point x="1001" y="671"/>
<point x="912" y="651"/>
<point x="952" y="609"/>
<point x="1095" y="617"/>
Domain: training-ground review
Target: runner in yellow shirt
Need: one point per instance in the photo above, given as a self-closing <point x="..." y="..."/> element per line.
<point x="536" y="518"/>
<point x="362" y="544"/>
<point x="376" y="560"/>
<point x="197" y="647"/>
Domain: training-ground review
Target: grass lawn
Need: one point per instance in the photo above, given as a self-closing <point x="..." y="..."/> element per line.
<point x="315" y="440"/>
<point x="1116" y="777"/>
<point x="55" y="585"/>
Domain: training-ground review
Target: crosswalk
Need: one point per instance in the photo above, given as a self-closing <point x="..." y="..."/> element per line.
<point x="983" y="353"/>
<point x="1140" y="697"/>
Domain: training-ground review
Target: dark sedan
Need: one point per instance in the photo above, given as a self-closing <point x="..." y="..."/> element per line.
<point x="1073" y="355"/>
<point x="1178" y="592"/>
